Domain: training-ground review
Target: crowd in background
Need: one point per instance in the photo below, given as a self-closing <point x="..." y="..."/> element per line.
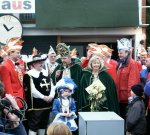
<point x="58" y="85"/>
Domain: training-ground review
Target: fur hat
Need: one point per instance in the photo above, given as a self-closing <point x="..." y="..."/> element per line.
<point x="138" y="89"/>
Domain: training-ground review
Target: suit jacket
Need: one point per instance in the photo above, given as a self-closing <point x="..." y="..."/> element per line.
<point x="9" y="77"/>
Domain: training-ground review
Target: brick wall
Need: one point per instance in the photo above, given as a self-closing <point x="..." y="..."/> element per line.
<point x="144" y="12"/>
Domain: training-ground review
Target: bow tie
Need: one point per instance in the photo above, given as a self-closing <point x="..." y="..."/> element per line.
<point x="16" y="63"/>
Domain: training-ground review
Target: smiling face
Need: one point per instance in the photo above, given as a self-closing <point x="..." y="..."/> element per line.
<point x="38" y="65"/>
<point x="96" y="64"/>
<point x="122" y="54"/>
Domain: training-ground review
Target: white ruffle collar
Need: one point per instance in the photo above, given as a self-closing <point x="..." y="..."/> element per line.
<point x="35" y="73"/>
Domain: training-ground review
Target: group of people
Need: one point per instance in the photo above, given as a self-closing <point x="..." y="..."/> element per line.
<point x="58" y="85"/>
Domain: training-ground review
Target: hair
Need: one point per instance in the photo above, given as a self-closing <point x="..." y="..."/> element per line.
<point x="57" y="128"/>
<point x="94" y="58"/>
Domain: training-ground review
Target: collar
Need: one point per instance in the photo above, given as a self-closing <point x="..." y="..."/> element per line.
<point x="12" y="61"/>
<point x="35" y="73"/>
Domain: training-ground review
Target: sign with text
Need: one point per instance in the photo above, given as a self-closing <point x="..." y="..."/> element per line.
<point x="17" y="6"/>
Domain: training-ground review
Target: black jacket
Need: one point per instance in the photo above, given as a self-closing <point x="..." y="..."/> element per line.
<point x="135" y="118"/>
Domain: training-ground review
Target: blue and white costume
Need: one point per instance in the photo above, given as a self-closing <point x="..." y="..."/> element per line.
<point x="65" y="105"/>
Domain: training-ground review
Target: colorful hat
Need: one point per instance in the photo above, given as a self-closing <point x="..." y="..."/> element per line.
<point x="65" y="83"/>
<point x="2" y="52"/>
<point x="95" y="49"/>
<point x="124" y="44"/>
<point x="106" y="51"/>
<point x="51" y="50"/>
<point x="13" y="44"/>
<point x="73" y="53"/>
<point x="64" y="50"/>
<point x="34" y="51"/>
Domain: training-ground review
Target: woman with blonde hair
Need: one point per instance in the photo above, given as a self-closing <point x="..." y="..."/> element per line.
<point x="97" y="88"/>
<point x="57" y="128"/>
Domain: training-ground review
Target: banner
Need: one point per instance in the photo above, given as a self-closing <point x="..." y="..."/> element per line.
<point x="17" y="6"/>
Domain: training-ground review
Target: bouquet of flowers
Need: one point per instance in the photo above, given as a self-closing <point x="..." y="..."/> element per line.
<point x="96" y="95"/>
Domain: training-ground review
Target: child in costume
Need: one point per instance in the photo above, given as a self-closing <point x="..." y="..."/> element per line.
<point x="64" y="106"/>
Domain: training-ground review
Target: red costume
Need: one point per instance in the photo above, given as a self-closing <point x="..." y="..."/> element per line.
<point x="10" y="78"/>
<point x="9" y="72"/>
<point x="127" y="76"/>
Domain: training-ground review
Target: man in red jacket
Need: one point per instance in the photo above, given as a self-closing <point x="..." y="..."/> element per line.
<point x="127" y="74"/>
<point x="8" y="69"/>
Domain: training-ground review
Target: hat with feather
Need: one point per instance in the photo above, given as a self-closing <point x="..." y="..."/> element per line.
<point x="65" y="83"/>
<point x="13" y="44"/>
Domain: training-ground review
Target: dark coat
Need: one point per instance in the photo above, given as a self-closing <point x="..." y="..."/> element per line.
<point x="135" y="120"/>
<point x="111" y="103"/>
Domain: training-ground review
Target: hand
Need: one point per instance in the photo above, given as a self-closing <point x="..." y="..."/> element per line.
<point x="12" y="101"/>
<point x="65" y="114"/>
<point x="70" y="114"/>
<point x="12" y="117"/>
<point x="58" y="73"/>
<point x="89" y="54"/>
<point x="46" y="99"/>
<point x="50" y="99"/>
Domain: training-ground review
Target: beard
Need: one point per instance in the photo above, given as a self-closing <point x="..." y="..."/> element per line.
<point x="64" y="64"/>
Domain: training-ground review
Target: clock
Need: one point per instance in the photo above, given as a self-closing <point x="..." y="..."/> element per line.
<point x="10" y="27"/>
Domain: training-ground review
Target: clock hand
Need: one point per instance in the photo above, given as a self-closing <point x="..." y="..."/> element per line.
<point x="5" y="27"/>
<point x="10" y="28"/>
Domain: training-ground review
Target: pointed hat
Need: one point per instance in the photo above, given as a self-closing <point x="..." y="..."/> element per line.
<point x="51" y="50"/>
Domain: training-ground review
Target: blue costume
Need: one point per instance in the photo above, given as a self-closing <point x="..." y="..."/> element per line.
<point x="64" y="107"/>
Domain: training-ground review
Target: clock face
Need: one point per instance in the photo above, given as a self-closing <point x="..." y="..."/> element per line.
<point x="10" y="27"/>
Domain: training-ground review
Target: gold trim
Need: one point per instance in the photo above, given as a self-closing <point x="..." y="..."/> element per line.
<point x="39" y="109"/>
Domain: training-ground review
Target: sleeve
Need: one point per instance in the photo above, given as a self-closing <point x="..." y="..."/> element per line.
<point x="5" y="77"/>
<point x="34" y="91"/>
<point x="52" y="93"/>
<point x="134" y="76"/>
<point x="73" y="106"/>
<point x="133" y="117"/>
<point x="56" y="107"/>
<point x="53" y="75"/>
